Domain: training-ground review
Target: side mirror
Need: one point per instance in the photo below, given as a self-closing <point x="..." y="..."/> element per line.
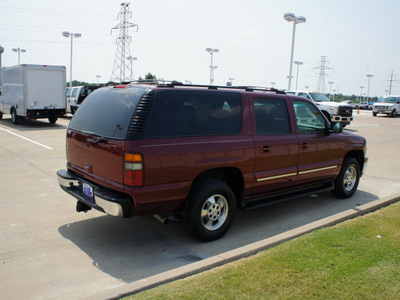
<point x="336" y="127"/>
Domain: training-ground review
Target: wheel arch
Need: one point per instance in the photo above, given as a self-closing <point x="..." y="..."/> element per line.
<point x="359" y="156"/>
<point x="327" y="115"/>
<point x="232" y="176"/>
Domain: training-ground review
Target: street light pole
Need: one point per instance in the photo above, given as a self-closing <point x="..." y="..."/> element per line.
<point x="330" y="88"/>
<point x="98" y="76"/>
<point x="296" y="20"/>
<point x="1" y="68"/>
<point x="131" y="59"/>
<point x="72" y="35"/>
<point x="369" y="80"/>
<point x="19" y="50"/>
<point x="298" y="63"/>
<point x="361" y="88"/>
<point x="212" y="68"/>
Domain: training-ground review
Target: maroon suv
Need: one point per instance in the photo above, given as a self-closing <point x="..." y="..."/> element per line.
<point x="202" y="151"/>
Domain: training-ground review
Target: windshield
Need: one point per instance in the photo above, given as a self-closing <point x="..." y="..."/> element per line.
<point x="318" y="97"/>
<point x="68" y="92"/>
<point x="107" y="112"/>
<point x="387" y="100"/>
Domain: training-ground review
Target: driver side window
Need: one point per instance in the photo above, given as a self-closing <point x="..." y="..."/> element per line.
<point x="305" y="95"/>
<point x="309" y="118"/>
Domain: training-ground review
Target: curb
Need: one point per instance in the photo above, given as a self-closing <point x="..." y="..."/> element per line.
<point x="242" y="252"/>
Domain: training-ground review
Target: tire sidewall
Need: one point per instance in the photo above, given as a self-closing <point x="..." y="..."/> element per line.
<point x="14" y="117"/>
<point x="339" y="189"/>
<point x="196" y="201"/>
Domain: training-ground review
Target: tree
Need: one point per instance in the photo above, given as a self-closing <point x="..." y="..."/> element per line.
<point x="149" y="78"/>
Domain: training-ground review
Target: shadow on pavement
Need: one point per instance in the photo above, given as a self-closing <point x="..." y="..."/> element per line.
<point x="28" y="125"/>
<point x="133" y="249"/>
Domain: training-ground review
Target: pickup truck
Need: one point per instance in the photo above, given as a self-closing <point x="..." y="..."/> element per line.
<point x="334" y="111"/>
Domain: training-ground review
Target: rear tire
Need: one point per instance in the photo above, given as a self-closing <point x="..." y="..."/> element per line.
<point x="374" y="114"/>
<point x="347" y="182"/>
<point x="52" y="120"/>
<point x="1" y="115"/>
<point x="14" y="117"/>
<point x="210" y="211"/>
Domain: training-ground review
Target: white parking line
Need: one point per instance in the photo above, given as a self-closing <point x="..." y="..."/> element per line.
<point x="29" y="140"/>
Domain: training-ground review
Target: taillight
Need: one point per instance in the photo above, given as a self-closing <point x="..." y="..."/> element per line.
<point x="133" y="169"/>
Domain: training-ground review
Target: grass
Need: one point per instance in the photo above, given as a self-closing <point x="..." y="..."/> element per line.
<point x="346" y="261"/>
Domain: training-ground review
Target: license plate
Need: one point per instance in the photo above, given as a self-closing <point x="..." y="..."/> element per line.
<point x="87" y="189"/>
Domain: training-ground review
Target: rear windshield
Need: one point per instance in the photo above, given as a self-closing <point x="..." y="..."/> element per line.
<point x="107" y="112"/>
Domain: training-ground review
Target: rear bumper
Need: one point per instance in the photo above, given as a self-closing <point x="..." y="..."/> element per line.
<point x="110" y="202"/>
<point x="44" y="113"/>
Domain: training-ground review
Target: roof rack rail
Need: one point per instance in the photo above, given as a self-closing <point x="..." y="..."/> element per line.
<point x="173" y="83"/>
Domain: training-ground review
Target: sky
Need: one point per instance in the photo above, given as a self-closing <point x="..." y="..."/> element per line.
<point x="358" y="37"/>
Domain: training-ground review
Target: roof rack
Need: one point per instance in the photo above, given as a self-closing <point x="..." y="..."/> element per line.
<point x="217" y="87"/>
<point x="173" y="83"/>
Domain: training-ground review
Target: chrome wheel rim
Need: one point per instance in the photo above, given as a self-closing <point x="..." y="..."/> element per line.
<point x="214" y="212"/>
<point x="350" y="178"/>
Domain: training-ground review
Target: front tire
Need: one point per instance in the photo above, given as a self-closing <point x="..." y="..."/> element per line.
<point x="393" y="114"/>
<point x="374" y="114"/>
<point x="210" y="211"/>
<point x="347" y="182"/>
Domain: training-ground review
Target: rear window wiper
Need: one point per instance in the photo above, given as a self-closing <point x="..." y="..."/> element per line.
<point x="101" y="139"/>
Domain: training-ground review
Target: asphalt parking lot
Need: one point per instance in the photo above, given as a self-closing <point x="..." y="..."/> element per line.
<point x="50" y="251"/>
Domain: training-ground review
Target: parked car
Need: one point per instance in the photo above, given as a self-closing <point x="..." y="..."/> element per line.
<point x="389" y="105"/>
<point x="334" y="111"/>
<point x="200" y="152"/>
<point x="77" y="94"/>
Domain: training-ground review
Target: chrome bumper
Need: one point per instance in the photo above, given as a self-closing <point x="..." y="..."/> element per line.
<point x="111" y="203"/>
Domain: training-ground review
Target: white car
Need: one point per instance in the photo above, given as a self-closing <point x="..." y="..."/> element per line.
<point x="389" y="105"/>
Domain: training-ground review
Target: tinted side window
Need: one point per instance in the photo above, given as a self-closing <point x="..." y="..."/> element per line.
<point x="194" y="113"/>
<point x="271" y="116"/>
<point x="305" y="95"/>
<point x="309" y="118"/>
<point x="107" y="112"/>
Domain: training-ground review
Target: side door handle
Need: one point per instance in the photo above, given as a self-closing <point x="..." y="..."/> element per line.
<point x="264" y="149"/>
<point x="304" y="146"/>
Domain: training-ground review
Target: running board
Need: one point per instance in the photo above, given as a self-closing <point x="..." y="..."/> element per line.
<point x="280" y="197"/>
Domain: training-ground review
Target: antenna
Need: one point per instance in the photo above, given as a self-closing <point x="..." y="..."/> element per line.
<point x="122" y="69"/>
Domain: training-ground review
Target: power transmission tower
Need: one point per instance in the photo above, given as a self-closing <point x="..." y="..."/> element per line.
<point x="390" y="83"/>
<point x="322" y="73"/>
<point x="122" y="69"/>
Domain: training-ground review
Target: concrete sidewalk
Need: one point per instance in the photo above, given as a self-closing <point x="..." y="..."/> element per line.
<point x="245" y="251"/>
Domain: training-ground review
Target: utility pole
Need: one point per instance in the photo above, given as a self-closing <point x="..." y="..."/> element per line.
<point x="322" y="73"/>
<point x="390" y="83"/>
<point x="122" y="69"/>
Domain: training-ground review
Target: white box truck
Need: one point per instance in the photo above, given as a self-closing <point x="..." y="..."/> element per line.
<point x="33" y="92"/>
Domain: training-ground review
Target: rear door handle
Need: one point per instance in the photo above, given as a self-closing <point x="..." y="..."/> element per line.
<point x="264" y="149"/>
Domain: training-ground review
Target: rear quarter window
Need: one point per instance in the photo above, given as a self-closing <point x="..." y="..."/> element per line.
<point x="194" y="113"/>
<point x="107" y="111"/>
